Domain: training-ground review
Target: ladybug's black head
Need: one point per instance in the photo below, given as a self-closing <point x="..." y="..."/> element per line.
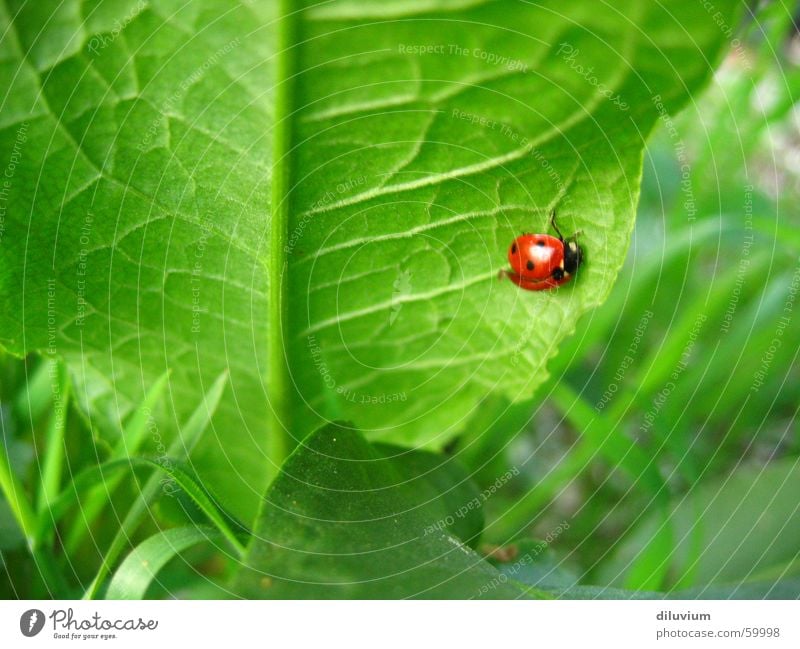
<point x="573" y="256"/>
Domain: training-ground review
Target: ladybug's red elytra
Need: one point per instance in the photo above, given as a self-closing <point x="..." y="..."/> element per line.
<point x="540" y="261"/>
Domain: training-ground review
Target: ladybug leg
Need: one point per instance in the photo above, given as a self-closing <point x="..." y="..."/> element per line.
<point x="554" y="225"/>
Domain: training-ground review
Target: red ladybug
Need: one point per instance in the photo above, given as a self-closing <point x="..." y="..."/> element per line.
<point x="540" y="261"/>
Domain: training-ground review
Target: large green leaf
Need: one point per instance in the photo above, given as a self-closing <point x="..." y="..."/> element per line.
<point x="345" y="520"/>
<point x="416" y="138"/>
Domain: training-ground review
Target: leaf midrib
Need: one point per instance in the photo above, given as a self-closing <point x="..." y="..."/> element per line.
<point x="278" y="377"/>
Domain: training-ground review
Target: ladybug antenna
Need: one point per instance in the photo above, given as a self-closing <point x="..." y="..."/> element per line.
<point x="553" y="224"/>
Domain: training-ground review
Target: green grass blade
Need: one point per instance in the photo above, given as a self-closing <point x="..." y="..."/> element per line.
<point x="15" y="495"/>
<point x="140" y="568"/>
<point x="128" y="445"/>
<point x="180" y="450"/>
<point x="25" y="516"/>
<point x="55" y="450"/>
<point x="35" y="397"/>
<point x="113" y="469"/>
<point x="221" y="519"/>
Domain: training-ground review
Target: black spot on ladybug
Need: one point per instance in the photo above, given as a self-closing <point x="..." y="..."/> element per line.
<point x="514" y="249"/>
<point x="540" y="242"/>
<point x="529" y="265"/>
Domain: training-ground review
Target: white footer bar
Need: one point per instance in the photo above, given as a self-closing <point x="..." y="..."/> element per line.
<point x="386" y="625"/>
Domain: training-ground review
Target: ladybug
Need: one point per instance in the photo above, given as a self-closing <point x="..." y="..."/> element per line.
<point x="540" y="261"/>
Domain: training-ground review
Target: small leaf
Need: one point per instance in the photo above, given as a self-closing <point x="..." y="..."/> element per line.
<point x="140" y="568"/>
<point x="343" y="521"/>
